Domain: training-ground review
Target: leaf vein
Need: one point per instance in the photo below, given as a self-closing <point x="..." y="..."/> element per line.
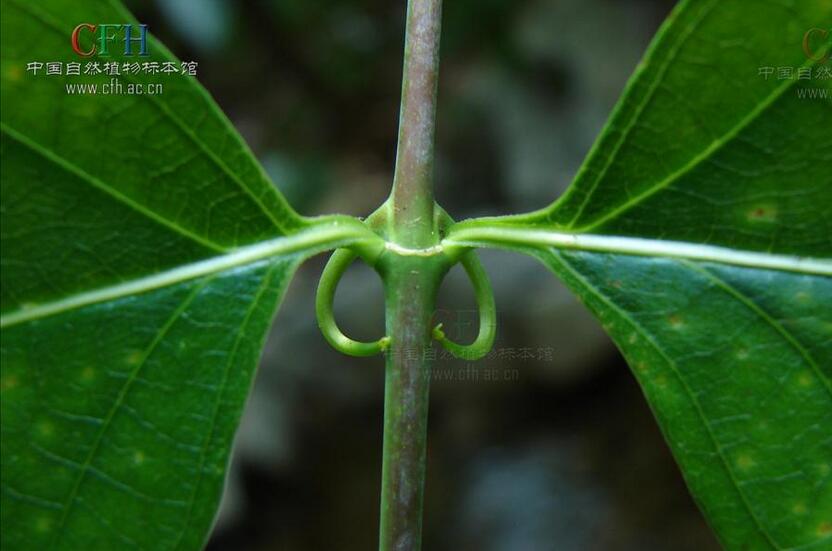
<point x="766" y="317"/>
<point x="87" y="464"/>
<point x="701" y="157"/>
<point x="639" y="109"/>
<point x="650" y="339"/>
<point x="71" y="168"/>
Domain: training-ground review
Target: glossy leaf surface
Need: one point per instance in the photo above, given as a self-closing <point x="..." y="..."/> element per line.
<point x="144" y="253"/>
<point x="118" y="417"/>
<point x="699" y="231"/>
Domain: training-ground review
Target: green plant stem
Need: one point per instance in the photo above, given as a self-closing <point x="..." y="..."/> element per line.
<point x="410" y="287"/>
<point x="412" y="200"/>
<point x="411" y="284"/>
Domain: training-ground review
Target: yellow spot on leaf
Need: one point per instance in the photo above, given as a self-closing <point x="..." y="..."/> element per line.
<point x="799" y="508"/>
<point x="9" y="382"/>
<point x="138" y="457"/>
<point x="676" y="321"/>
<point x="745" y="462"/>
<point x="825" y="529"/>
<point x="134" y="357"/>
<point x="87" y="374"/>
<point x="43" y="524"/>
<point x="805" y="379"/>
<point x="45" y="429"/>
<point x="13" y="72"/>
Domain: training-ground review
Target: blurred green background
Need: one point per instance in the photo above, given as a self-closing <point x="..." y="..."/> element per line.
<point x="560" y="451"/>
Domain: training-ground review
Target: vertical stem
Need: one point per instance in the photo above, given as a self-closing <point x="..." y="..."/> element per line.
<point x="411" y="284"/>
<point x="412" y="195"/>
<point x="410" y="296"/>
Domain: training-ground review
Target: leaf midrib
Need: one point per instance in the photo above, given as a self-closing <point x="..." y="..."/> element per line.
<point x="305" y="242"/>
<point x="492" y="234"/>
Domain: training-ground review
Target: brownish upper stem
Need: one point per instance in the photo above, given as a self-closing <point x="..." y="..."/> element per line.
<point x="412" y="195"/>
<point x="411" y="283"/>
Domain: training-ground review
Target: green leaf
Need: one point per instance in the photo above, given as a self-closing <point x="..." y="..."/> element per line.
<point x="144" y="255"/>
<point x="118" y="416"/>
<point x="699" y="231"/>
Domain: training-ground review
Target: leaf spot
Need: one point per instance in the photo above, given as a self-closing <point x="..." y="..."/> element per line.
<point x="742" y="354"/>
<point x="825" y="528"/>
<point x="8" y="382"/>
<point x="43" y="524"/>
<point x="45" y="429"/>
<point x="133" y="358"/>
<point x="676" y="322"/>
<point x="805" y="379"/>
<point x="763" y="213"/>
<point x="87" y="374"/>
<point x="633" y="338"/>
<point x="799" y="508"/>
<point x="13" y="72"/>
<point x="745" y="462"/>
<point x="138" y="457"/>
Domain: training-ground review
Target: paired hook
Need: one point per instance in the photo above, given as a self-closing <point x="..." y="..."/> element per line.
<point x="334" y="270"/>
<point x="487" y="313"/>
<point x="338" y="263"/>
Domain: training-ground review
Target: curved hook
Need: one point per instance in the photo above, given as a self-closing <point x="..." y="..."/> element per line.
<point x="338" y="263"/>
<point x="487" y="312"/>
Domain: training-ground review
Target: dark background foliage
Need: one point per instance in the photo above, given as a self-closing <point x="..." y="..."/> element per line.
<point x="545" y="444"/>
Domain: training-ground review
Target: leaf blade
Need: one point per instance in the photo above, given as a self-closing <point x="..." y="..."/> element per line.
<point x="124" y="463"/>
<point x="708" y="144"/>
<point x="689" y="230"/>
<point x="733" y="388"/>
<point x="144" y="253"/>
